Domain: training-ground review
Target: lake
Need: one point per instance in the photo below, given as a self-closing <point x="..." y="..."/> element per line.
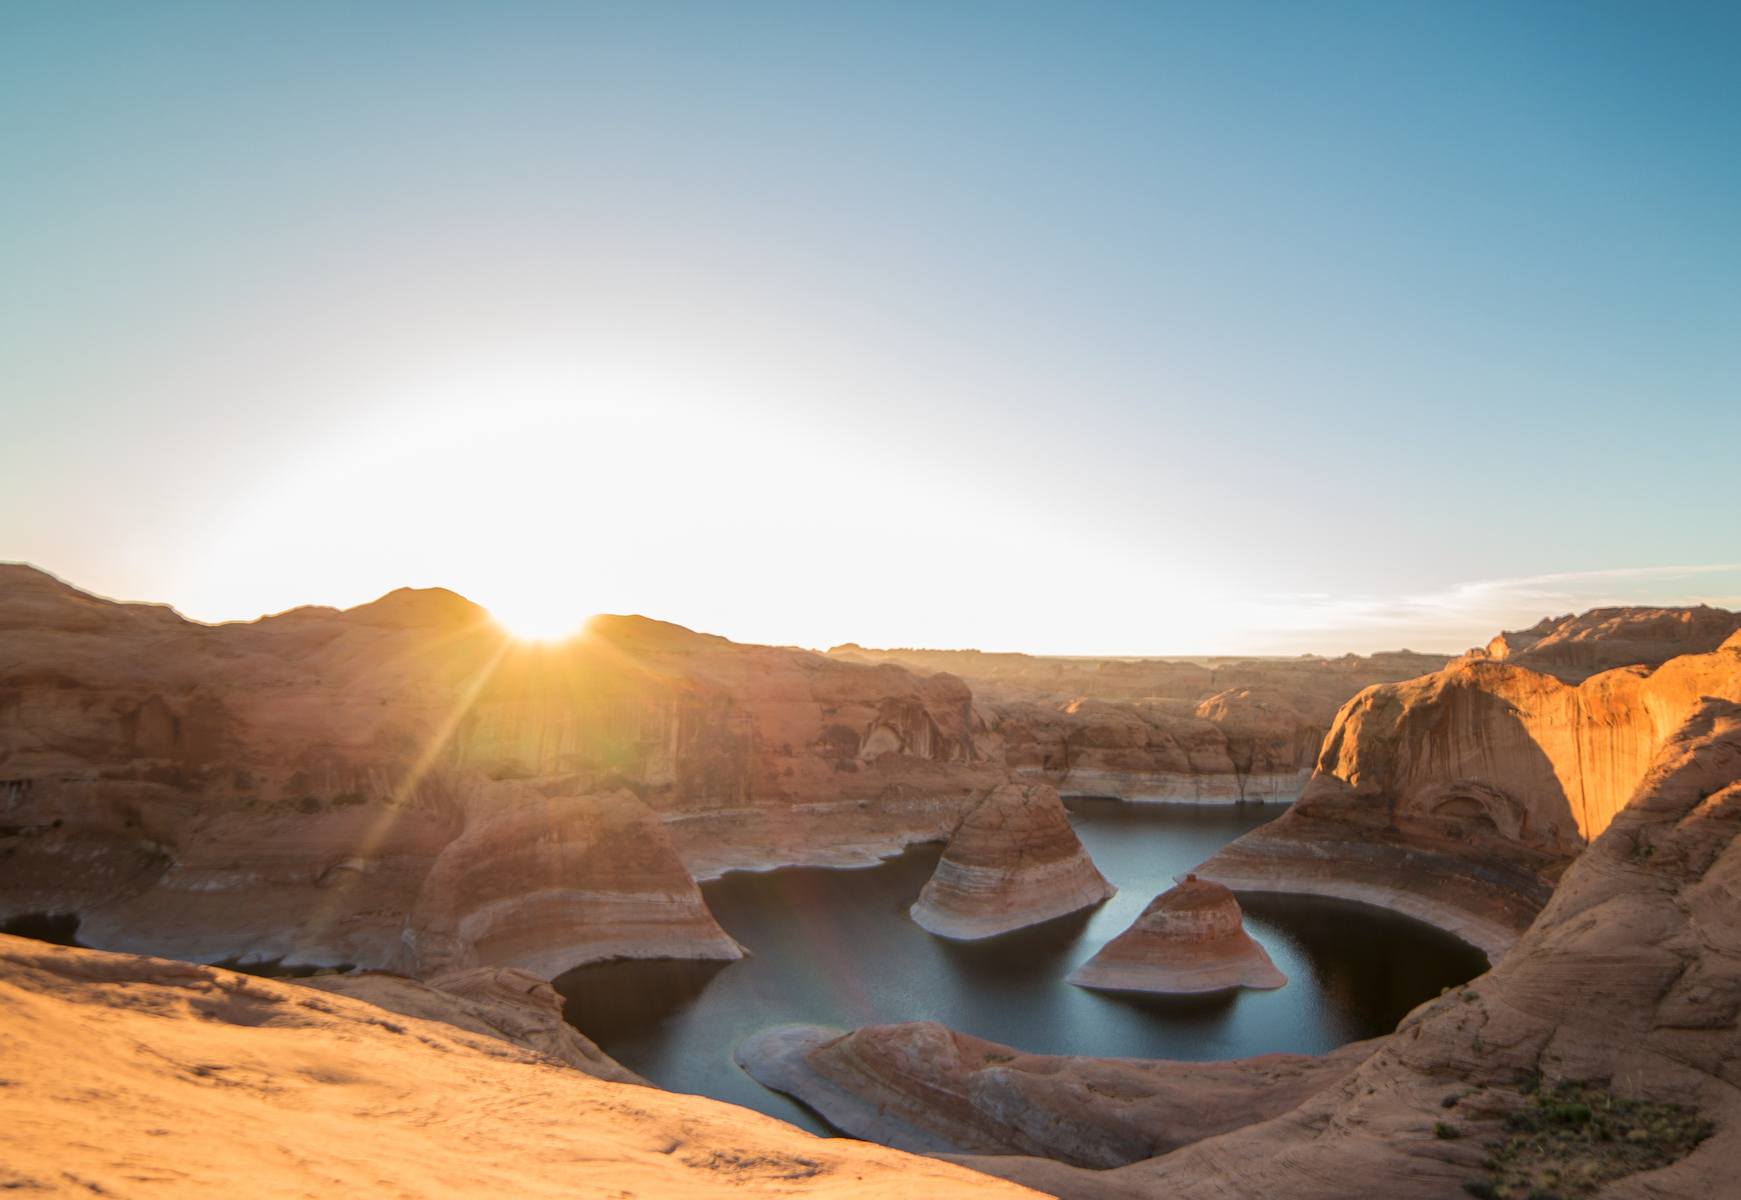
<point x="835" y="947"/>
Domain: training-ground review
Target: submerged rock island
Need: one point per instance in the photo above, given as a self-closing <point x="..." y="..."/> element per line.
<point x="1189" y="939"/>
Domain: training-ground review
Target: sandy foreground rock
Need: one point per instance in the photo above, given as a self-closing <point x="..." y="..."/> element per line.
<point x="1191" y="938"/>
<point x="134" y="1077"/>
<point x="401" y="785"/>
<point x="1013" y="862"/>
<point x="925" y="1088"/>
<point x="1630" y="980"/>
<point x="1460" y="798"/>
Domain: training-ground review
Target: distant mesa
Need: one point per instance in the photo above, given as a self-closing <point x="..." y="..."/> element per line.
<point x="1014" y="861"/>
<point x="1573" y="648"/>
<point x="1189" y="939"/>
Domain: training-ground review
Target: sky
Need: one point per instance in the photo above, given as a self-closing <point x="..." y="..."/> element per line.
<point x="1073" y="328"/>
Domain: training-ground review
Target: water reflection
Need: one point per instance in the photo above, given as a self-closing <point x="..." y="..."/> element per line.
<point x="835" y="947"/>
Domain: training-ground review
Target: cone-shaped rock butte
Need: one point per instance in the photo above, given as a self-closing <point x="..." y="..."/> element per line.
<point x="836" y="947"/>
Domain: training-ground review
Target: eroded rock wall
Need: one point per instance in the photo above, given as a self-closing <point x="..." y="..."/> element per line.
<point x="1461" y="797"/>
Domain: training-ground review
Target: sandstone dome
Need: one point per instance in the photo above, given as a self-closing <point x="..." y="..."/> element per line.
<point x="1189" y="939"/>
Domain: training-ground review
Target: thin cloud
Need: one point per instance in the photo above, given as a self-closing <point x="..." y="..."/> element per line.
<point x="1469" y="613"/>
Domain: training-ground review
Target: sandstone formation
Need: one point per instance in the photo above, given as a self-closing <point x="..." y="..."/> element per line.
<point x="134" y="1077"/>
<point x="550" y="884"/>
<point x="1600" y="1053"/>
<point x="1576" y="647"/>
<point x="501" y="1002"/>
<point x="1460" y="798"/>
<point x="1197" y="731"/>
<point x="1190" y="938"/>
<point x="331" y="788"/>
<point x="1014" y="861"/>
<point x="925" y="1088"/>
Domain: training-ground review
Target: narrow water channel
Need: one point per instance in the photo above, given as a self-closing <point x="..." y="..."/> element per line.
<point x="835" y="947"/>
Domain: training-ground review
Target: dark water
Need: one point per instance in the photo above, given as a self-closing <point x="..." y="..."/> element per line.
<point x="835" y="947"/>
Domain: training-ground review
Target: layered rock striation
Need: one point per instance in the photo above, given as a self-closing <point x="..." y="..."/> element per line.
<point x="1460" y="798"/>
<point x="1190" y="938"/>
<point x="331" y="788"/>
<point x="194" y="1081"/>
<point x="922" y="1087"/>
<point x="1013" y="862"/>
<point x="1598" y="1054"/>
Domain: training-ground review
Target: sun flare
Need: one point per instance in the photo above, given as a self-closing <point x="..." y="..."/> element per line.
<point x="540" y="619"/>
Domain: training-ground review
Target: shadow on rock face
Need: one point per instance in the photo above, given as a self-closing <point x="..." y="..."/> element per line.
<point x="274" y="968"/>
<point x="57" y="929"/>
<point x="1206" y="1007"/>
<point x="1016" y="956"/>
<point x="1378" y="964"/>
<point x="609" y="1001"/>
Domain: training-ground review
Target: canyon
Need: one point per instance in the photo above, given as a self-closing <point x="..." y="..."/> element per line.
<point x="436" y="820"/>
<point x="403" y="786"/>
<point x="1599" y="1053"/>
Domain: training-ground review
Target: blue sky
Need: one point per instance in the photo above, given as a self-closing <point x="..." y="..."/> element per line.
<point x="1073" y="328"/>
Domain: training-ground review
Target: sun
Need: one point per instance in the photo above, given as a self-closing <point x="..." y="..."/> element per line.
<point x="540" y="619"/>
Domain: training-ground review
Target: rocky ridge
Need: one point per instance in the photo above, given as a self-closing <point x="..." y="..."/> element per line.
<point x="1191" y="938"/>
<point x="1575" y="647"/>
<point x="1210" y="730"/>
<point x="922" y="1087"/>
<point x="333" y="788"/>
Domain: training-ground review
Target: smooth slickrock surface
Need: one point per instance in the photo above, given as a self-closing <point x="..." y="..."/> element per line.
<point x="925" y="1088"/>
<point x="1631" y="977"/>
<point x="1014" y="861"/>
<point x="1460" y="798"/>
<point x="133" y="1077"/>
<point x="1190" y="938"/>
<point x="516" y="1006"/>
<point x="317" y="786"/>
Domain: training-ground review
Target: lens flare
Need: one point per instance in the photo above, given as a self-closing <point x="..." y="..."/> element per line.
<point x="539" y="618"/>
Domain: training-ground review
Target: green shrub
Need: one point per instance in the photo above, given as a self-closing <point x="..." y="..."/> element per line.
<point x="1580" y="1135"/>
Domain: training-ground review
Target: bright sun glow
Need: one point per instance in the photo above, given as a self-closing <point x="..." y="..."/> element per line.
<point x="540" y="618"/>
